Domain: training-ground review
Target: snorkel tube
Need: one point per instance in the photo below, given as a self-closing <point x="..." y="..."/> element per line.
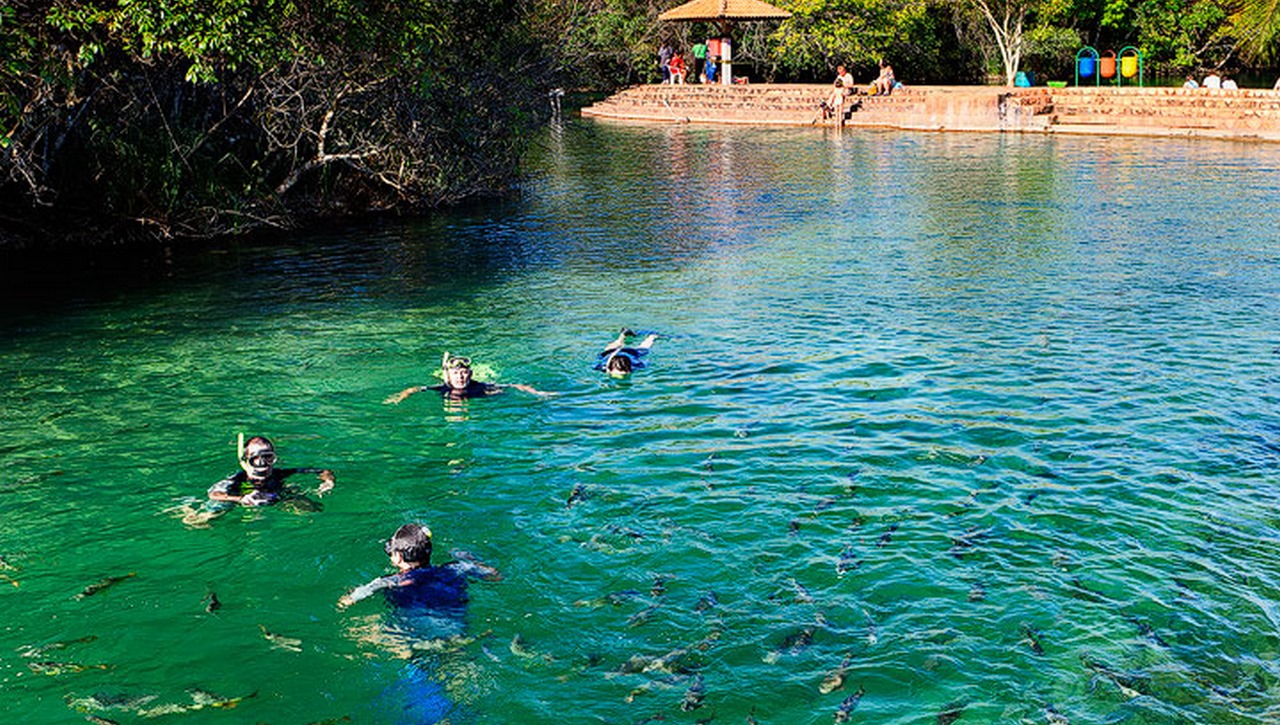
<point x="244" y="465"/>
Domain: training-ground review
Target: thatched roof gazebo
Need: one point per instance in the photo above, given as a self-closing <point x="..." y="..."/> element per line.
<point x="724" y="13"/>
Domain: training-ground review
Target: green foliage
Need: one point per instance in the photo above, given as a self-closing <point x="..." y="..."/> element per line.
<point x="195" y="117"/>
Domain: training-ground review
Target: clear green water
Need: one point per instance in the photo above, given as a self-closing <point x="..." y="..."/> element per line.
<point x="995" y="417"/>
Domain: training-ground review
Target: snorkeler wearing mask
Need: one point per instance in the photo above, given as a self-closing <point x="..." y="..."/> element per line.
<point x="619" y="360"/>
<point x="460" y="384"/>
<point x="259" y="482"/>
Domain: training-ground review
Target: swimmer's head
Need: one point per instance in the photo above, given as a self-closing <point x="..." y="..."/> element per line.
<point x="457" y="371"/>
<point x="258" y="457"/>
<point x="411" y="543"/>
<point x="618" y="365"/>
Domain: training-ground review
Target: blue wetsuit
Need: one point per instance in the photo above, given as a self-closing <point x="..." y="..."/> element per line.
<point x="431" y="602"/>
<point x="635" y="354"/>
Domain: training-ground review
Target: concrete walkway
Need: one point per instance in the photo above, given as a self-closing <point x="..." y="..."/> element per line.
<point x="1242" y="114"/>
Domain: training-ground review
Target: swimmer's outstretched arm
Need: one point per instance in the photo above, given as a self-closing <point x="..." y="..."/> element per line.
<point x="526" y="388"/>
<point x="404" y="394"/>
<point x="648" y="341"/>
<point x="365" y="590"/>
<point x="469" y="564"/>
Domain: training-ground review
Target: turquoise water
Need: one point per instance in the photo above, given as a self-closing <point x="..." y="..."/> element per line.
<point x="987" y="422"/>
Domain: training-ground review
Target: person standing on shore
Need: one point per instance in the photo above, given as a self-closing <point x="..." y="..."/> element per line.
<point x="699" y="60"/>
<point x="664" y="61"/>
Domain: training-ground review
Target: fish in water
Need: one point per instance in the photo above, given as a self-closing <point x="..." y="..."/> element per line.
<point x="706" y="602"/>
<point x="612" y="598"/>
<point x="1033" y="639"/>
<point x="42" y="649"/>
<point x="102" y="584"/>
<point x="54" y="669"/>
<point x="793" y="643"/>
<point x="886" y="536"/>
<point x="848" y="561"/>
<point x="871" y="628"/>
<point x="577" y="495"/>
<point x="1054" y="717"/>
<point x="211" y="603"/>
<point x="659" y="585"/>
<point x="1148" y="632"/>
<point x="279" y="641"/>
<point x="835" y="678"/>
<point x="951" y="713"/>
<point x="694" y="695"/>
<point x="1127" y="685"/>
<point x="751" y="717"/>
<point x="802" y="592"/>
<point x="850" y="703"/>
<point x="977" y="592"/>
<point x="200" y="699"/>
<point x="643" y="615"/>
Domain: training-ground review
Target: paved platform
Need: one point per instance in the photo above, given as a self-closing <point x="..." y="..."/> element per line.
<point x="1187" y="112"/>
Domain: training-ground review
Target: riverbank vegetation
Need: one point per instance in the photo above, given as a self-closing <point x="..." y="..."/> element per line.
<point x="179" y="119"/>
<point x="168" y="119"/>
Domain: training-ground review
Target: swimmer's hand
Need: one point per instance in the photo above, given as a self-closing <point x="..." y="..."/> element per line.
<point x="258" y="498"/>
<point x="345" y="601"/>
<point x="326" y="482"/>
<point x="393" y="399"/>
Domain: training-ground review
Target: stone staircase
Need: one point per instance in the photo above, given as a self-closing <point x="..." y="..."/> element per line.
<point x="772" y="104"/>
<point x="1245" y="112"/>
<point x="1249" y="113"/>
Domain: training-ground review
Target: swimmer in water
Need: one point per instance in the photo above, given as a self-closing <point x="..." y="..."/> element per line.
<point x="459" y="383"/>
<point x="619" y="360"/>
<point x="257" y="483"/>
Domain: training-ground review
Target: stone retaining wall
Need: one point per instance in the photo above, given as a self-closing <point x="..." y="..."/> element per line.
<point x="1249" y="113"/>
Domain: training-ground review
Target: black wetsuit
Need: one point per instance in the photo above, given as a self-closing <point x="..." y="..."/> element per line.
<point x="474" y="389"/>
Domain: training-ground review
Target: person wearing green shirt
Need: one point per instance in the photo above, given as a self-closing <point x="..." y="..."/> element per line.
<point x="699" y="58"/>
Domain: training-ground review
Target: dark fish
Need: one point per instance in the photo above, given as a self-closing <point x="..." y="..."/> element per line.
<point x="643" y="615"/>
<point x="1033" y="639"/>
<point x="751" y="717"/>
<point x="802" y="593"/>
<point x="848" y="561"/>
<point x="835" y="678"/>
<point x="1054" y="717"/>
<point x="706" y="601"/>
<point x="1080" y="591"/>
<point x="951" y="713"/>
<point x="794" y="527"/>
<point x="792" y="644"/>
<point x="211" y="603"/>
<point x="1128" y="686"/>
<point x="961" y="544"/>
<point x="42" y="649"/>
<point x="659" y="586"/>
<point x="103" y="584"/>
<point x="62" y="668"/>
<point x="1148" y="632"/>
<point x="279" y="641"/>
<point x="577" y="495"/>
<point x="693" y="696"/>
<point x="884" y="538"/>
<point x="977" y="592"/>
<point x="612" y="598"/>
<point x="846" y="708"/>
<point x="823" y="505"/>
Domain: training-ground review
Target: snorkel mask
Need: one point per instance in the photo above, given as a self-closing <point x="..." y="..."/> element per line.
<point x="260" y="463"/>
